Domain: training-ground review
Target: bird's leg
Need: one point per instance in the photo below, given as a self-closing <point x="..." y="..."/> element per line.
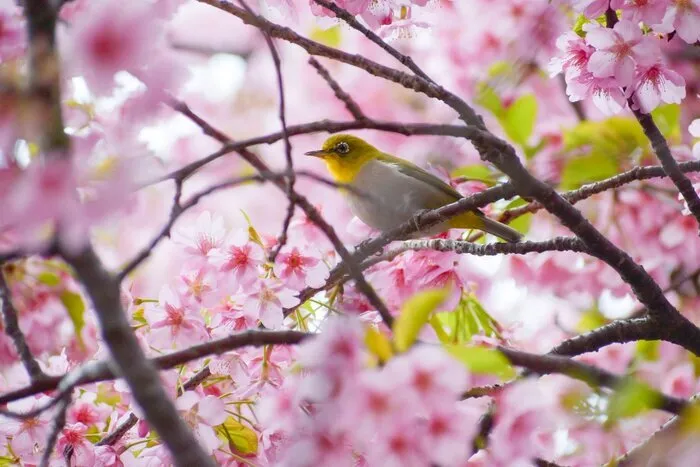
<point x="417" y="218"/>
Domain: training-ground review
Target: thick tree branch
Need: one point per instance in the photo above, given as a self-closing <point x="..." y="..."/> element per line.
<point x="140" y="373"/>
<point x="548" y="364"/>
<point x="44" y="75"/>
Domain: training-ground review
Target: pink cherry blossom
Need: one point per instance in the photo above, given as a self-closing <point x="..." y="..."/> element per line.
<point x="431" y="375"/>
<point x="605" y="92"/>
<point x="238" y="260"/>
<point x="199" y="287"/>
<point x="618" y="50"/>
<point x="26" y="433"/>
<point x="174" y="324"/>
<point x="267" y="301"/>
<point x="648" y="11"/>
<point x="202" y="414"/>
<point x="298" y="270"/>
<point x="684" y="15"/>
<point x="694" y="130"/>
<point x="575" y="57"/>
<point x="594" y="8"/>
<point x="656" y="84"/>
<point x="199" y="239"/>
<point x="107" y="456"/>
<point x="109" y="37"/>
<point x="73" y="436"/>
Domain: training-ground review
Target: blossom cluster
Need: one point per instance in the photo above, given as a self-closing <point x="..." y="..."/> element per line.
<point x="615" y="64"/>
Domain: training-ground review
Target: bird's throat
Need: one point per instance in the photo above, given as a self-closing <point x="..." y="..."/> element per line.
<point x="342" y="172"/>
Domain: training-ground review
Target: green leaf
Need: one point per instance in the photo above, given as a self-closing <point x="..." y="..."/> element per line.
<point x="690" y="419"/>
<point x="378" y="344"/>
<point x="519" y="119"/>
<point x="75" y="306"/>
<point x="252" y="233"/>
<point x="668" y="119"/>
<point x="475" y="172"/>
<point x="578" y="25"/>
<point x="631" y="399"/>
<point x="330" y="37"/>
<point x="487" y="97"/>
<point x="648" y="350"/>
<point x="439" y="331"/>
<point x="49" y="278"/>
<point x="586" y="169"/>
<point x="590" y="320"/>
<point x="618" y="138"/>
<point x="414" y="314"/>
<point x="241" y="439"/>
<point x="467" y="319"/>
<point x="482" y="360"/>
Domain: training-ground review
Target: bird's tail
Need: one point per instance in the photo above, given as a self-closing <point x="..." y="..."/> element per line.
<point x="500" y="230"/>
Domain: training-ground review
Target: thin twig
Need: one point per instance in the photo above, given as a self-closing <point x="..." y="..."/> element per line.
<point x="119" y="431"/>
<point x="663" y="153"/>
<point x="342" y="96"/>
<point x="178" y="209"/>
<point x="59" y="422"/>
<point x="9" y="315"/>
<point x="291" y="180"/>
<point x="352" y="22"/>
<point x="492" y="249"/>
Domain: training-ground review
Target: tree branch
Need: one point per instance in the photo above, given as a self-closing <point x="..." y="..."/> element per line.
<point x="342" y="96"/>
<point x="671" y="167"/>
<point x="9" y="316"/>
<point x="548" y="364"/>
<point x="352" y="22"/>
<point x="492" y="249"/>
<point x="102" y="371"/>
<point x="139" y="372"/>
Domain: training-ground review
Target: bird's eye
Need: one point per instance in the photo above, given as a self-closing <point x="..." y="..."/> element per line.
<point x="342" y="147"/>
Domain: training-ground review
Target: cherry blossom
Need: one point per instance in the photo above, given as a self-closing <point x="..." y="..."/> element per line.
<point x="618" y="50"/>
<point x="203" y="413"/>
<point x="298" y="270"/>
<point x="267" y="301"/>
<point x="174" y="324"/>
<point x="657" y="84"/>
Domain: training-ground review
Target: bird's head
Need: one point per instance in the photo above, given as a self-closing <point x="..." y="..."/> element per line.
<point x="345" y="155"/>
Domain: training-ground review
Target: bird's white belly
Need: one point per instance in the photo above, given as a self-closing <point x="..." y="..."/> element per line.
<point x="395" y="197"/>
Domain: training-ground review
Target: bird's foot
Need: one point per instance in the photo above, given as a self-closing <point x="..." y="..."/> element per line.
<point x="417" y="218"/>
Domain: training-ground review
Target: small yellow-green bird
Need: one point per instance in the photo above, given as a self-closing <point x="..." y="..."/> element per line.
<point x="396" y="189"/>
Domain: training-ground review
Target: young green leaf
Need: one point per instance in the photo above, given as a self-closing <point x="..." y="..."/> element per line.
<point x="241" y="439"/>
<point x="482" y="360"/>
<point x="75" y="306"/>
<point x="414" y="315"/>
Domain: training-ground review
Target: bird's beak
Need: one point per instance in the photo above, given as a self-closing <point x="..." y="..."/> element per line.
<point x="320" y="153"/>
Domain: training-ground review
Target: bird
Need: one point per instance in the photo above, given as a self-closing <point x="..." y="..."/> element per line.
<point x="384" y="191"/>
